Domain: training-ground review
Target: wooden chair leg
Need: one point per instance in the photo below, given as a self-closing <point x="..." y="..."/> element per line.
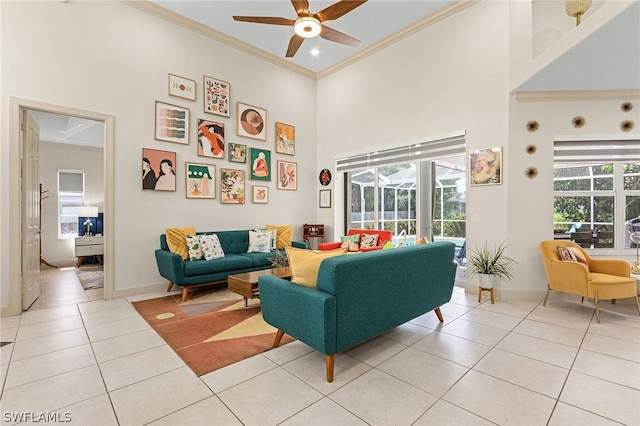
<point x="170" y="285"/>
<point x="493" y="300"/>
<point x="279" y="335"/>
<point x="185" y="290"/>
<point x="439" y="314"/>
<point x="638" y="304"/>
<point x="597" y="309"/>
<point x="330" y="360"/>
<point x="546" y="296"/>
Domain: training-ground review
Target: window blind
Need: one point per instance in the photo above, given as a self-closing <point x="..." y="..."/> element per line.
<point x="70" y="181"/>
<point x="454" y="144"/>
<point x="574" y="150"/>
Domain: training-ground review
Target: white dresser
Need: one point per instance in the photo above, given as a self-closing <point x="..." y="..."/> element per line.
<point x="89" y="246"/>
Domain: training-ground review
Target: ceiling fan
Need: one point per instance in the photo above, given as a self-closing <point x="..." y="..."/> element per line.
<point x="309" y="25"/>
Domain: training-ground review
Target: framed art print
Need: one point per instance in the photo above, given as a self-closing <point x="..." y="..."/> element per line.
<point x="216" y="96"/>
<point x="251" y="121"/>
<point x="325" y="198"/>
<point x="182" y="87"/>
<point x="232" y="185"/>
<point x="200" y="180"/>
<point x="237" y="153"/>
<point x="260" y="194"/>
<point x="210" y="139"/>
<point x="158" y="170"/>
<point x="485" y="166"/>
<point x="287" y="173"/>
<point x="172" y="123"/>
<point x="285" y="139"/>
<point x="260" y="164"/>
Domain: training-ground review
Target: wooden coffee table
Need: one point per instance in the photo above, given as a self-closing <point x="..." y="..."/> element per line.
<point x="246" y="284"/>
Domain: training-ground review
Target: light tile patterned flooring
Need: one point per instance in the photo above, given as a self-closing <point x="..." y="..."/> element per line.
<point x="99" y="363"/>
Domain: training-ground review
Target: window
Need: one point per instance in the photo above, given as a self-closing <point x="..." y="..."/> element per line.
<point x="595" y="204"/>
<point x="70" y="198"/>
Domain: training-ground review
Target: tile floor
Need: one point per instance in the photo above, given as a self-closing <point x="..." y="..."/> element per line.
<point x="98" y="363"/>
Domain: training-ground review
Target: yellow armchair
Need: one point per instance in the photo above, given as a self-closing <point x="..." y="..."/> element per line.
<point x="599" y="279"/>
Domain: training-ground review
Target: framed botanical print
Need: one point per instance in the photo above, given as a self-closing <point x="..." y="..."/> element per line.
<point x="285" y="139"/>
<point x="172" y="123"/>
<point x="260" y="194"/>
<point x="237" y="153"/>
<point x="232" y="184"/>
<point x="251" y="121"/>
<point x="260" y="164"/>
<point x="485" y="166"/>
<point x="182" y="87"/>
<point x="158" y="170"/>
<point x="216" y="96"/>
<point x="210" y="139"/>
<point x="287" y="173"/>
<point x="200" y="180"/>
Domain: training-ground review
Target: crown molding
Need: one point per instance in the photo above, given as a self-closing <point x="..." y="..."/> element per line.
<point x="576" y="95"/>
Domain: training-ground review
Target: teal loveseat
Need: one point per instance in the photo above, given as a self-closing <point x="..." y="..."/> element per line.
<point x="187" y="273"/>
<point x="360" y="296"/>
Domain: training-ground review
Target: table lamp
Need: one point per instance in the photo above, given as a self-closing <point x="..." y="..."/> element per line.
<point x="88" y="212"/>
<point x="635" y="239"/>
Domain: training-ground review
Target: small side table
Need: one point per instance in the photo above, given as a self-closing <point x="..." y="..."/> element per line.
<point x="89" y="246"/>
<point x="312" y="231"/>
<point x="490" y="290"/>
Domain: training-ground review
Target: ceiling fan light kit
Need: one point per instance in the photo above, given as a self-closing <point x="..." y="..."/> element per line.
<point x="577" y="8"/>
<point x="307" y="27"/>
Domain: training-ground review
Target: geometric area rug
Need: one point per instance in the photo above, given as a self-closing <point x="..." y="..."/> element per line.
<point x="211" y="329"/>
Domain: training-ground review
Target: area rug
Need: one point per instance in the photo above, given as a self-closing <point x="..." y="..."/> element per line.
<point x="91" y="276"/>
<point x="211" y="329"/>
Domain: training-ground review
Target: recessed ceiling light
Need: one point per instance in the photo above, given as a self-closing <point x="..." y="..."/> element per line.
<point x="315" y="52"/>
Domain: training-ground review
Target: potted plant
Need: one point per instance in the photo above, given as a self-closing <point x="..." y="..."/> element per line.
<point x="489" y="264"/>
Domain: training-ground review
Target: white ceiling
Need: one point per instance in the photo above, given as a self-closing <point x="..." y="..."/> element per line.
<point x="609" y="59"/>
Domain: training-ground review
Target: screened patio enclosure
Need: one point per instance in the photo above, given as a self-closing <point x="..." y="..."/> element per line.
<point x="397" y="200"/>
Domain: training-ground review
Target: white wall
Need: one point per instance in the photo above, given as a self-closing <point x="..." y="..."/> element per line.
<point x="451" y="76"/>
<point x="112" y="58"/>
<point x="53" y="157"/>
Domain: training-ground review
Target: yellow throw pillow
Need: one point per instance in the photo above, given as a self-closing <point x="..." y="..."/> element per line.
<point x="422" y="240"/>
<point x="305" y="264"/>
<point x="283" y="238"/>
<point x="177" y="240"/>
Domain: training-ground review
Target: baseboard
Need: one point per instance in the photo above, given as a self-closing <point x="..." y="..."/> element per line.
<point x="137" y="291"/>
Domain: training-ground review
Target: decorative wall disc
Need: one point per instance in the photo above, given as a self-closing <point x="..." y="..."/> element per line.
<point x="530" y="149"/>
<point x="627" y="125"/>
<point x="626" y="106"/>
<point x="325" y="177"/>
<point x="531" y="172"/>
<point x="532" y="125"/>
<point x="578" y="121"/>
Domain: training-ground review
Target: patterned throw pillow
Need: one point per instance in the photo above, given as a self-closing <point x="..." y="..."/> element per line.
<point x="193" y="244"/>
<point x="368" y="240"/>
<point x="177" y="240"/>
<point x="259" y="242"/>
<point x="284" y="233"/>
<point x="350" y="242"/>
<point x="579" y="256"/>
<point x="305" y="264"/>
<point x="566" y="254"/>
<point x="211" y="247"/>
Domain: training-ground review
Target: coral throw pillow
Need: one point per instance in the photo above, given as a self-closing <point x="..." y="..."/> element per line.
<point x="177" y="240"/>
<point x="305" y="264"/>
<point x="284" y="232"/>
<point x="579" y="256"/>
<point x="368" y="240"/>
<point x="350" y="242"/>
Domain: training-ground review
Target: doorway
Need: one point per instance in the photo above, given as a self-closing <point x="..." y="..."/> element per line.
<point x="17" y="182"/>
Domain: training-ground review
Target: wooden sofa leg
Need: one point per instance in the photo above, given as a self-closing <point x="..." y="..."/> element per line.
<point x="330" y="360"/>
<point x="439" y="314"/>
<point x="170" y="285"/>
<point x="185" y="290"/>
<point x="279" y="335"/>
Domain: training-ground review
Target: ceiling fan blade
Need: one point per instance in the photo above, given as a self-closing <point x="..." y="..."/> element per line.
<point x="338" y="9"/>
<point x="335" y="35"/>
<point x="301" y="7"/>
<point x="294" y="45"/>
<point x="265" y="20"/>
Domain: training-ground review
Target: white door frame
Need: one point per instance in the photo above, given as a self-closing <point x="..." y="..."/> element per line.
<point x="15" y="185"/>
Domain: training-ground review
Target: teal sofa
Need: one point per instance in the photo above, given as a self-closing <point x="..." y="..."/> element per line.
<point x="187" y="273"/>
<point x="360" y="296"/>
